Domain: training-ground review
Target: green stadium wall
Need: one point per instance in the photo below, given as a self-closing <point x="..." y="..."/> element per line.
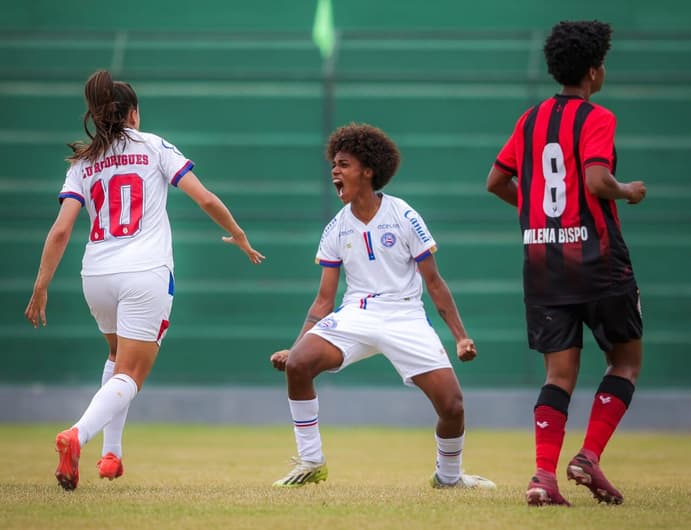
<point x="281" y="15"/>
<point x="239" y="89"/>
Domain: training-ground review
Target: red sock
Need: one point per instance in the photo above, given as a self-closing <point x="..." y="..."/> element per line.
<point x="605" y="415"/>
<point x="550" y="426"/>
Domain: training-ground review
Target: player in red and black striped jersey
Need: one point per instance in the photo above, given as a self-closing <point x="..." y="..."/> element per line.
<point x="577" y="268"/>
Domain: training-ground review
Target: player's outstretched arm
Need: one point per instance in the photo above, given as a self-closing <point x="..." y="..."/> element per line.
<point x="443" y="300"/>
<point x="219" y="212"/>
<point x="603" y="184"/>
<point x="53" y="250"/>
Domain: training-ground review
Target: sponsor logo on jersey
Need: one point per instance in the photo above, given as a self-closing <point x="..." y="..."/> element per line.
<point x="424" y="237"/>
<point x="388" y="239"/>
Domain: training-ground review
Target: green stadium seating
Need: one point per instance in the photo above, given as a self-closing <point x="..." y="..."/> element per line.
<point x="249" y="109"/>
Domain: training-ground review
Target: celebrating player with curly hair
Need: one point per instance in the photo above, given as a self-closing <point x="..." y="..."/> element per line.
<point x="577" y="268"/>
<point x="386" y="252"/>
<point x="121" y="176"/>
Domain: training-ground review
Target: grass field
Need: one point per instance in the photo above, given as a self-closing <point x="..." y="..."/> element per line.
<point x="219" y="477"/>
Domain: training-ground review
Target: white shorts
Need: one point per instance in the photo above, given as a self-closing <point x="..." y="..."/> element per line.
<point x="401" y="333"/>
<point x="135" y="305"/>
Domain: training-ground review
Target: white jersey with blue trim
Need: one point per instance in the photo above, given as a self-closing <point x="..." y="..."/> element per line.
<point x="125" y="192"/>
<point x="379" y="258"/>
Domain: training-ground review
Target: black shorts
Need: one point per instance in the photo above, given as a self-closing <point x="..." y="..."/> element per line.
<point x="612" y="320"/>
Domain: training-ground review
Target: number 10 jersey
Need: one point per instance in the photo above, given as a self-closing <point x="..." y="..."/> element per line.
<point x="125" y="192"/>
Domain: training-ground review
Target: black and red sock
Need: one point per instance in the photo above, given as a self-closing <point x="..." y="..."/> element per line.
<point x="551" y="413"/>
<point x="611" y="400"/>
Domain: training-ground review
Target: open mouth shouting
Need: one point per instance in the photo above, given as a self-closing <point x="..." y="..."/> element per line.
<point x="338" y="184"/>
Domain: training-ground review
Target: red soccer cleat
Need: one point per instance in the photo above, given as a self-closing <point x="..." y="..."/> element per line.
<point x="68" y="448"/>
<point x="544" y="491"/>
<point x="584" y="468"/>
<point x="110" y="466"/>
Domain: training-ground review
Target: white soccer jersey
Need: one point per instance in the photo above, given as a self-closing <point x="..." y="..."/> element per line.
<point x="125" y="192"/>
<point x="379" y="258"/>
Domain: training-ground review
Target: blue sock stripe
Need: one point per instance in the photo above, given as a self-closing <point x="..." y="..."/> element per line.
<point x="306" y="423"/>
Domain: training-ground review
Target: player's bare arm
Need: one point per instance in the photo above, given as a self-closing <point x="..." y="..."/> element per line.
<point x="217" y="210"/>
<point x="53" y="250"/>
<point x="603" y="184"/>
<point x="443" y="300"/>
<point x="502" y="185"/>
<point x="322" y="305"/>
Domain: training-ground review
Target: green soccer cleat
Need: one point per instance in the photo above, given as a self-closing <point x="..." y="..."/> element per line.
<point x="465" y="481"/>
<point x="303" y="473"/>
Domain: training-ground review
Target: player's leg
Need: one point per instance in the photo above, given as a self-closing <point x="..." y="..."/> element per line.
<point x="144" y="301"/>
<point x="141" y="303"/>
<point x="311" y="356"/>
<point x="109" y="366"/>
<point x="111" y="399"/>
<point x="133" y="364"/>
<point x="558" y="333"/>
<point x="444" y="392"/>
<point x="134" y="361"/>
<point x="613" y="395"/>
<point x="143" y="314"/>
<point x="101" y="298"/>
<point x="110" y="464"/>
<point x="618" y="329"/>
<point x="409" y="342"/>
<point x="442" y="389"/>
<point x="550" y="415"/>
<point x="552" y="407"/>
<point x="338" y="340"/>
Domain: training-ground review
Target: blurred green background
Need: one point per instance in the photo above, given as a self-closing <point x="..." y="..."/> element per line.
<point x="243" y="91"/>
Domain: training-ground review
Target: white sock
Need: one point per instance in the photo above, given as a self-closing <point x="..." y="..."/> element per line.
<point x="112" y="398"/>
<point x="112" y="432"/>
<point x="108" y="371"/>
<point x="306" y="427"/>
<point x="449" y="458"/>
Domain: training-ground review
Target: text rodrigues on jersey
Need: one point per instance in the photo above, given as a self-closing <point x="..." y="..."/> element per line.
<point x="571" y="234"/>
<point x="137" y="159"/>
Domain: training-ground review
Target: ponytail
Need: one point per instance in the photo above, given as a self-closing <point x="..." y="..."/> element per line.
<point x="108" y="104"/>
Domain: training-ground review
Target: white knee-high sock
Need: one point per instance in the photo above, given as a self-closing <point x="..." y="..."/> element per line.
<point x="108" y="371"/>
<point x="112" y="398"/>
<point x="112" y="432"/>
<point x="306" y="427"/>
<point x="449" y="458"/>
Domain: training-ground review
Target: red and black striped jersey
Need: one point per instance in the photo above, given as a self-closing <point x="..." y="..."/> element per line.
<point x="574" y="250"/>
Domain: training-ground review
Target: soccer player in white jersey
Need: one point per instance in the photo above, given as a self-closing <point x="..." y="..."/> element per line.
<point x="122" y="177"/>
<point x="386" y="252"/>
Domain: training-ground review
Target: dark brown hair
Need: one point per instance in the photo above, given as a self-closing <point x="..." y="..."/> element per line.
<point x="108" y="104"/>
<point x="372" y="148"/>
